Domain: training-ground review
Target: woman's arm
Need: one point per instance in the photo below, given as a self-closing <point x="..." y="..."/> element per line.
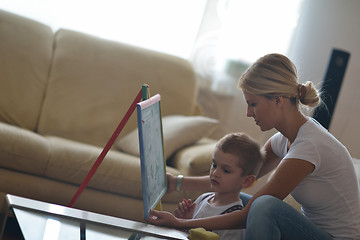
<point x="286" y="177"/>
<point x="196" y="184"/>
<point x="231" y="220"/>
<point x="201" y="183"/>
<point x="288" y="174"/>
<point x="271" y="160"/>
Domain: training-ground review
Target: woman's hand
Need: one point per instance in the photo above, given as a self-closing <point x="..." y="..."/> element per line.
<point x="185" y="209"/>
<point x="164" y="219"/>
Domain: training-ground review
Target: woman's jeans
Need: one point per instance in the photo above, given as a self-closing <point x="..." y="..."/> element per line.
<point x="270" y="218"/>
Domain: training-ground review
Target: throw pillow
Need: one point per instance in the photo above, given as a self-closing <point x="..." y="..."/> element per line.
<point x="178" y="132"/>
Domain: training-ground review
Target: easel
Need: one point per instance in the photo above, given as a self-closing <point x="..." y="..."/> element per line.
<point x="146" y="95"/>
<point x="143" y="94"/>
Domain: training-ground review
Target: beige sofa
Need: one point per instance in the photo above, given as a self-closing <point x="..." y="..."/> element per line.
<point x="63" y="94"/>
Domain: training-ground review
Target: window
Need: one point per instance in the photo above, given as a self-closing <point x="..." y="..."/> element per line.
<point x="235" y="33"/>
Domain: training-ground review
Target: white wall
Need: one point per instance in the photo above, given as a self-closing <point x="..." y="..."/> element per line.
<point x="324" y="25"/>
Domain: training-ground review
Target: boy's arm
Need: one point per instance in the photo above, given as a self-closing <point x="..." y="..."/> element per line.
<point x="185" y="209"/>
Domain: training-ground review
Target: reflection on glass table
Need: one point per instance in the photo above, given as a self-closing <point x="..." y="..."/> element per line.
<point x="45" y="221"/>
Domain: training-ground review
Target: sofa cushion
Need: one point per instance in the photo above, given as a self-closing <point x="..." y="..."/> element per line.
<point x="93" y="82"/>
<point x="118" y="173"/>
<point x="23" y="150"/>
<point x="70" y="162"/>
<point x="194" y="160"/>
<point x="25" y="58"/>
<point x="178" y="131"/>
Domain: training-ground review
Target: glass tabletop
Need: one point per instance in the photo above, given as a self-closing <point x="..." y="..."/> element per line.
<point x="40" y="220"/>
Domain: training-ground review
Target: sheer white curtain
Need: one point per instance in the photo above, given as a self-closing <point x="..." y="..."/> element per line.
<point x="234" y="33"/>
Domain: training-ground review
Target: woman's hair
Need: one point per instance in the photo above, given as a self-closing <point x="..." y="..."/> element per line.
<point x="274" y="75"/>
<point x="245" y="148"/>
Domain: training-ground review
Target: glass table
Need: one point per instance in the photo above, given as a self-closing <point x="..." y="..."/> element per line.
<point x="40" y="220"/>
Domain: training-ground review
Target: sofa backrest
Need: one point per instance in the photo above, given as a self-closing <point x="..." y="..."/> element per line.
<point x="93" y="81"/>
<point x="25" y="57"/>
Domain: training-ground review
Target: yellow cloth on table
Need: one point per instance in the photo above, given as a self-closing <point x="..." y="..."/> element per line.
<point x="202" y="234"/>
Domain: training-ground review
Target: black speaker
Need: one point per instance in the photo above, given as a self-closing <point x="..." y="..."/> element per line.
<point x="331" y="86"/>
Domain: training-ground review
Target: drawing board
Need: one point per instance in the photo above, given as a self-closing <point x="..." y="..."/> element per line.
<point x="153" y="175"/>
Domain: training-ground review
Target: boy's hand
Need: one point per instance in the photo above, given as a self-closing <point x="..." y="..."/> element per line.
<point x="162" y="218"/>
<point x="185" y="209"/>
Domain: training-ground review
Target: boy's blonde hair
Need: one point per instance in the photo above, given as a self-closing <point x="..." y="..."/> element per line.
<point x="274" y="75"/>
<point x="245" y="148"/>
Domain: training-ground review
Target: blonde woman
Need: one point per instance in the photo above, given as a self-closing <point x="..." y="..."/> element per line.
<point x="307" y="160"/>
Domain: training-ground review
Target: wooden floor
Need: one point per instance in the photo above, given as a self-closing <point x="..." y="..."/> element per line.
<point x="12" y="230"/>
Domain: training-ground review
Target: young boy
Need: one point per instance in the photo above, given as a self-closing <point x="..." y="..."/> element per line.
<point x="236" y="160"/>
